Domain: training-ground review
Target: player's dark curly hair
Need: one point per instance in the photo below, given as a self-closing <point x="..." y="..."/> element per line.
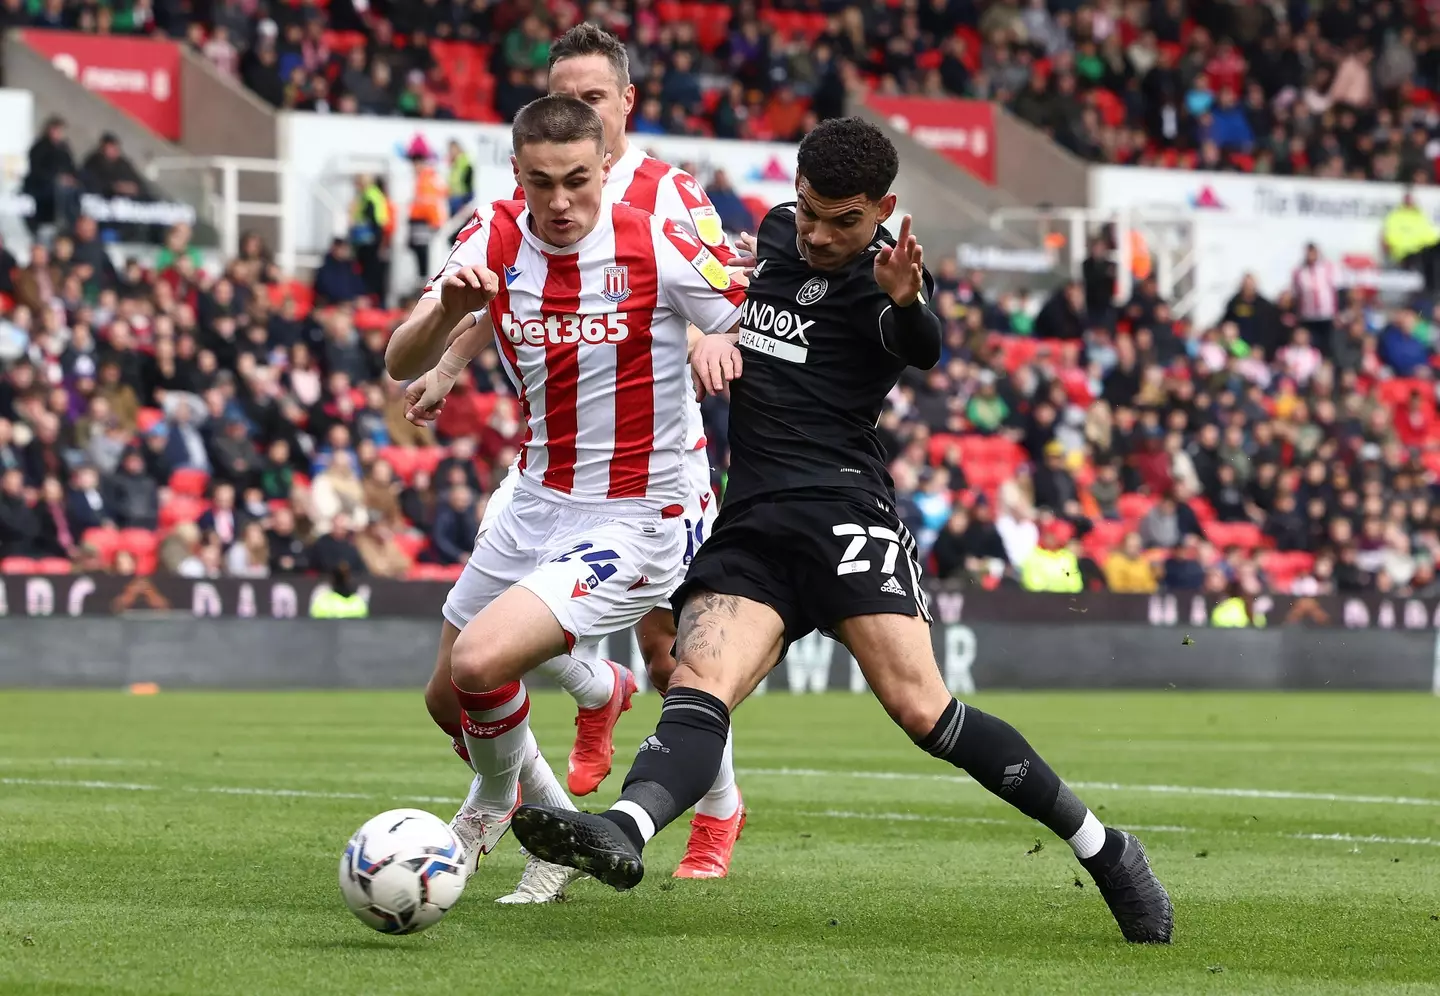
<point x="844" y="157"/>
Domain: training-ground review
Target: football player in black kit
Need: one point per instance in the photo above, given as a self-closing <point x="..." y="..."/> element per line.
<point x="808" y="537"/>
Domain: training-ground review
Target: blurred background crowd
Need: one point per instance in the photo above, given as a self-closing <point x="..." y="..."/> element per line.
<point x="232" y="421"/>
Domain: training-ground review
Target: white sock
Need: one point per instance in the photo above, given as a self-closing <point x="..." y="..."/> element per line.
<point x="590" y="683"/>
<point x="496" y="737"/>
<point x="538" y="784"/>
<point x="1089" y="838"/>
<point x="723" y="798"/>
<point x="642" y="819"/>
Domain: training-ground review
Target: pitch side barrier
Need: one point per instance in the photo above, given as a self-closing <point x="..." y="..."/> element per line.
<point x="105" y="631"/>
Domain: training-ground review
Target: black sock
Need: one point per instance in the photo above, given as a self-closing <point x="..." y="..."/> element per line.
<point x="678" y="764"/>
<point x="993" y="752"/>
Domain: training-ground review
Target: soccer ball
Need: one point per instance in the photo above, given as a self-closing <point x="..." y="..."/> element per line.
<point x="402" y="871"/>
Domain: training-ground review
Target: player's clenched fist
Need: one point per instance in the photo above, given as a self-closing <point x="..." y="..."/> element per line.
<point x="716" y="362"/>
<point x="470" y="288"/>
<point x="899" y="268"/>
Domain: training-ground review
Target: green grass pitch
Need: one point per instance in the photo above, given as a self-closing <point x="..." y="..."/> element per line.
<point x="187" y="844"/>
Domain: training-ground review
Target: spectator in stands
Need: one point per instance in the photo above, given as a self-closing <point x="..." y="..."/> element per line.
<point x="260" y="69"/>
<point x="1400" y="349"/>
<point x="92" y="261"/>
<point x="1051" y="565"/>
<point x="249" y="556"/>
<point x="221" y="519"/>
<point x="85" y="502"/>
<point x="337" y="492"/>
<point x="185" y="446"/>
<point x="232" y="454"/>
<point x="382" y="555"/>
<point x="1064" y="315"/>
<point x="19" y="523"/>
<point x="419" y="502"/>
<point x="370" y="228"/>
<point x="735" y="216"/>
<point x="456" y="523"/>
<point x="288" y="552"/>
<point x="52" y="179"/>
<point x="462" y="456"/>
<point x="1127" y="569"/>
<point x="337" y="547"/>
<point x="132" y="495"/>
<point x="108" y="172"/>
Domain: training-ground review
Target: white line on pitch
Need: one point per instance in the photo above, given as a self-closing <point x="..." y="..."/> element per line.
<point x="829" y="813"/>
<point x="1239" y="793"/>
<point x="221" y="790"/>
<point x="840" y="814"/>
<point x="77" y="762"/>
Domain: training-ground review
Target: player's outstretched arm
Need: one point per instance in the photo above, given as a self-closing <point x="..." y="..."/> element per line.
<point x="908" y="328"/>
<point x="418" y="343"/>
<point x="425" y="398"/>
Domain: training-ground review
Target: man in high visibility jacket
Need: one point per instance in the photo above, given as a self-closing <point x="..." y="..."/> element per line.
<point x="461" y="182"/>
<point x="1411" y="238"/>
<point x="1236" y="612"/>
<point x="427" y="204"/>
<point x="1052" y="566"/>
<point x="370" y="225"/>
<point x="340" y="600"/>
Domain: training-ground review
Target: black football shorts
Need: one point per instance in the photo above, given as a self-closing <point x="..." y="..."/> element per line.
<point x="816" y="557"/>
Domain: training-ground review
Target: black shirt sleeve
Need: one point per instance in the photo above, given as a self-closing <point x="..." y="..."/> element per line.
<point x="912" y="333"/>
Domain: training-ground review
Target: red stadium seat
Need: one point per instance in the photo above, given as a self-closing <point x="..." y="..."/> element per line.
<point x="1239" y="534"/>
<point x="1134" y="506"/>
<point x="148" y="418"/>
<point x="411" y="544"/>
<point x="17" y="565"/>
<point x="53" y="565"/>
<point x="435" y="572"/>
<point x="138" y="541"/>
<point x="105" y="541"/>
<point x="427" y="458"/>
<point x="189" y="481"/>
<point x="182" y="508"/>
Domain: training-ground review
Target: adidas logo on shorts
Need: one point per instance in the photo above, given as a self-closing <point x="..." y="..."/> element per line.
<point x="893" y="587"/>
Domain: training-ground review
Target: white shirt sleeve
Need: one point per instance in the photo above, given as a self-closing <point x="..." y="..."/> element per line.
<point x="693" y="282"/>
<point x="470" y="248"/>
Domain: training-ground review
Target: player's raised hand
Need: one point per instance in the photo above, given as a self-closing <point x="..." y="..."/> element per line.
<point x="715" y="362"/>
<point x="746" y="259"/>
<point x="899" y="270"/>
<point x="470" y="288"/>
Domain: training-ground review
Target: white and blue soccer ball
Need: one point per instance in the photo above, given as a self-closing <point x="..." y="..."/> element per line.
<point x="402" y="871"/>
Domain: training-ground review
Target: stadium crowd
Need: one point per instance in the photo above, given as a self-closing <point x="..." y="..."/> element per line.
<point x="233" y="422"/>
<point x="1344" y="88"/>
<point x="229" y="424"/>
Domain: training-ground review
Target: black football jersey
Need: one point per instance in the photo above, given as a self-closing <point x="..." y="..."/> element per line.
<point x="803" y="413"/>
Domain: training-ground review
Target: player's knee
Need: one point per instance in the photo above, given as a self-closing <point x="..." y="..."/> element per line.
<point x="914" y="707"/>
<point x="475" y="665"/>
<point x="656" y="649"/>
<point x="660" y="667"/>
<point x="690" y="675"/>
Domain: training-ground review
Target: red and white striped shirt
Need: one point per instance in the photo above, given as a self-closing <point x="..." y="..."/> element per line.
<point x="1316" y="297"/>
<point x="669" y="192"/>
<point x="594" y="337"/>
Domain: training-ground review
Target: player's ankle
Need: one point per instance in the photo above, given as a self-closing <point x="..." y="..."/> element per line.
<point x="627" y="826"/>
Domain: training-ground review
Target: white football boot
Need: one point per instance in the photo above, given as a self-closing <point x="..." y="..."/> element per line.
<point x="479" y="833"/>
<point x="541" y="882"/>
